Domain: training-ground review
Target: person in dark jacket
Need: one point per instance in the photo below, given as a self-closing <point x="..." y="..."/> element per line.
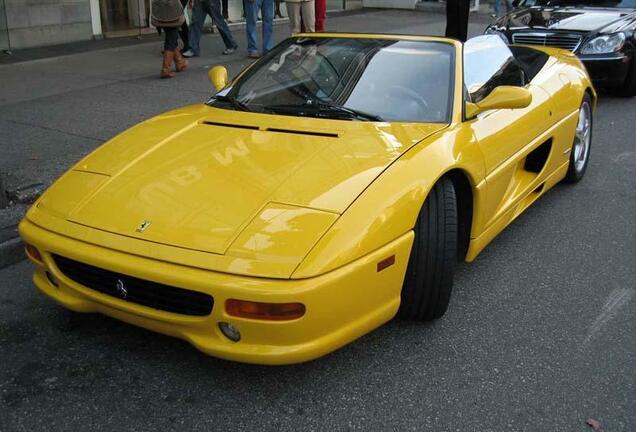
<point x="168" y="16"/>
<point x="457" y="19"/>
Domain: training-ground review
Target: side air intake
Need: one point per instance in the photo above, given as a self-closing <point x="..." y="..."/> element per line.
<point x="536" y="159"/>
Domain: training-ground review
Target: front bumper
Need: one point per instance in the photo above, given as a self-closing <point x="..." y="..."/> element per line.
<point x="340" y="305"/>
<point x="607" y="70"/>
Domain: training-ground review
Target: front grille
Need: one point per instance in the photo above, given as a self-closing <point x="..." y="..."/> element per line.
<point x="135" y="290"/>
<point x="558" y="40"/>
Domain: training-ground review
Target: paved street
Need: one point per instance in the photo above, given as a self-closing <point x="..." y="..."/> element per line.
<point x="540" y="334"/>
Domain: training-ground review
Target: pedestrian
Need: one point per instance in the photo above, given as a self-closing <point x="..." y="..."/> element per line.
<point x="457" y="19"/>
<point x="321" y="14"/>
<point x="168" y="16"/>
<point x="225" y="11"/>
<point x="277" y="12"/>
<point x="498" y="7"/>
<point x="184" y="31"/>
<point x="304" y="10"/>
<point x="201" y="9"/>
<point x="252" y="7"/>
<point x="320" y="11"/>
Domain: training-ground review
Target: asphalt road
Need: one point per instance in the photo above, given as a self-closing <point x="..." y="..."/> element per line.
<point x="540" y="336"/>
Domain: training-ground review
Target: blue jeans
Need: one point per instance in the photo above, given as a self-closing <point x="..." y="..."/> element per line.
<point x="251" y="14"/>
<point x="200" y="9"/>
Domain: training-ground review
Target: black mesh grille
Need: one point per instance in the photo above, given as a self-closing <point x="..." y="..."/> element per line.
<point x="558" y="40"/>
<point x="135" y="290"/>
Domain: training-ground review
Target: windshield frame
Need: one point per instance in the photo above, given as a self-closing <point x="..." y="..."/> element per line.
<point x="231" y="90"/>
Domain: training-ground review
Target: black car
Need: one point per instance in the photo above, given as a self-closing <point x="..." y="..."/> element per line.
<point x="601" y="32"/>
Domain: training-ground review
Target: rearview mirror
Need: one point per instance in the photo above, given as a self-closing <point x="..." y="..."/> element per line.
<point x="502" y="97"/>
<point x="218" y="77"/>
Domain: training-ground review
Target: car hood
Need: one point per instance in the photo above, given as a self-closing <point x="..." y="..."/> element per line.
<point x="198" y="177"/>
<point x="588" y="19"/>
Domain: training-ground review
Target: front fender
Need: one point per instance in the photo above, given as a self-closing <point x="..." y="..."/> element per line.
<point x="388" y="208"/>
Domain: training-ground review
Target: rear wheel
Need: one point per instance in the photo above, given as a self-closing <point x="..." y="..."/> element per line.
<point x="580" y="154"/>
<point x="429" y="277"/>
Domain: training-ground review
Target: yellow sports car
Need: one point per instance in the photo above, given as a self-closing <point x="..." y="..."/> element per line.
<point x="328" y="188"/>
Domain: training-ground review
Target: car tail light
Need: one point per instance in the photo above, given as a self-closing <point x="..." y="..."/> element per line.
<point x="33" y="253"/>
<point x="264" y="311"/>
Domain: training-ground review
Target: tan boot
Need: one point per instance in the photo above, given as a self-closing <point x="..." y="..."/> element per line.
<point x="166" y="69"/>
<point x="179" y="62"/>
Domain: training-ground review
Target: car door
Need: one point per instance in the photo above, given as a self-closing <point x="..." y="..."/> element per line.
<point x="505" y="136"/>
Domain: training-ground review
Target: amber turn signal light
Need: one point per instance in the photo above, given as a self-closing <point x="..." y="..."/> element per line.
<point x="386" y="262"/>
<point x="33" y="252"/>
<point x="264" y="311"/>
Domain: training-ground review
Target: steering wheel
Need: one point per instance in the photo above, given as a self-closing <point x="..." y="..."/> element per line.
<point x="412" y="95"/>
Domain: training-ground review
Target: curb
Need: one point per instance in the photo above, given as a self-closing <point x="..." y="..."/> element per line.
<point x="11" y="245"/>
<point x="11" y="252"/>
<point x="4" y="199"/>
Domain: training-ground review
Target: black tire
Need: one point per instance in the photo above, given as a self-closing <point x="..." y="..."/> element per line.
<point x="628" y="89"/>
<point x="429" y="276"/>
<point x="575" y="172"/>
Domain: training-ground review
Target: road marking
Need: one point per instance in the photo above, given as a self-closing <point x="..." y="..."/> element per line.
<point x="617" y="299"/>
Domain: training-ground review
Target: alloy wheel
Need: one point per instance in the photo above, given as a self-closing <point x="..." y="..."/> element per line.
<point x="582" y="137"/>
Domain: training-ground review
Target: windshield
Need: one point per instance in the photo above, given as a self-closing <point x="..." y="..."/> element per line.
<point x="489" y="63"/>
<point x="593" y="3"/>
<point x="349" y="79"/>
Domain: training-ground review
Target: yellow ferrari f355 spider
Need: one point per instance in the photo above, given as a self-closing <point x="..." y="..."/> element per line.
<point x="328" y="188"/>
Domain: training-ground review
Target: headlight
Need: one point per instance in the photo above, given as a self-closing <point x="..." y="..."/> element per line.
<point x="604" y="44"/>
<point x="494" y="31"/>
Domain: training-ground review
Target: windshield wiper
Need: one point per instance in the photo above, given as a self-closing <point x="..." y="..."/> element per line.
<point x="325" y="107"/>
<point x="351" y="111"/>
<point x="237" y="104"/>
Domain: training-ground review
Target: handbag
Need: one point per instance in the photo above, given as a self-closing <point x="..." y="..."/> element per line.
<point x="167" y="13"/>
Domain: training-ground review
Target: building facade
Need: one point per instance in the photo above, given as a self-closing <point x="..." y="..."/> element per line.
<point x="33" y="23"/>
<point x="28" y="23"/>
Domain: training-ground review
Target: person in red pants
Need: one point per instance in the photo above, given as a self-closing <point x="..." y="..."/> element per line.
<point x="321" y="13"/>
<point x="320" y="7"/>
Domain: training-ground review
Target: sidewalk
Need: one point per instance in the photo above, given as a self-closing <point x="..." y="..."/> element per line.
<point x="53" y="111"/>
<point x="144" y="36"/>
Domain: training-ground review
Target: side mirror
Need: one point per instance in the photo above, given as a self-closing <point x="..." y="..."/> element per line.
<point x="502" y="97"/>
<point x="218" y="77"/>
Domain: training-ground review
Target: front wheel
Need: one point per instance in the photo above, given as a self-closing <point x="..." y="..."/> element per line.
<point x="580" y="153"/>
<point x="429" y="276"/>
